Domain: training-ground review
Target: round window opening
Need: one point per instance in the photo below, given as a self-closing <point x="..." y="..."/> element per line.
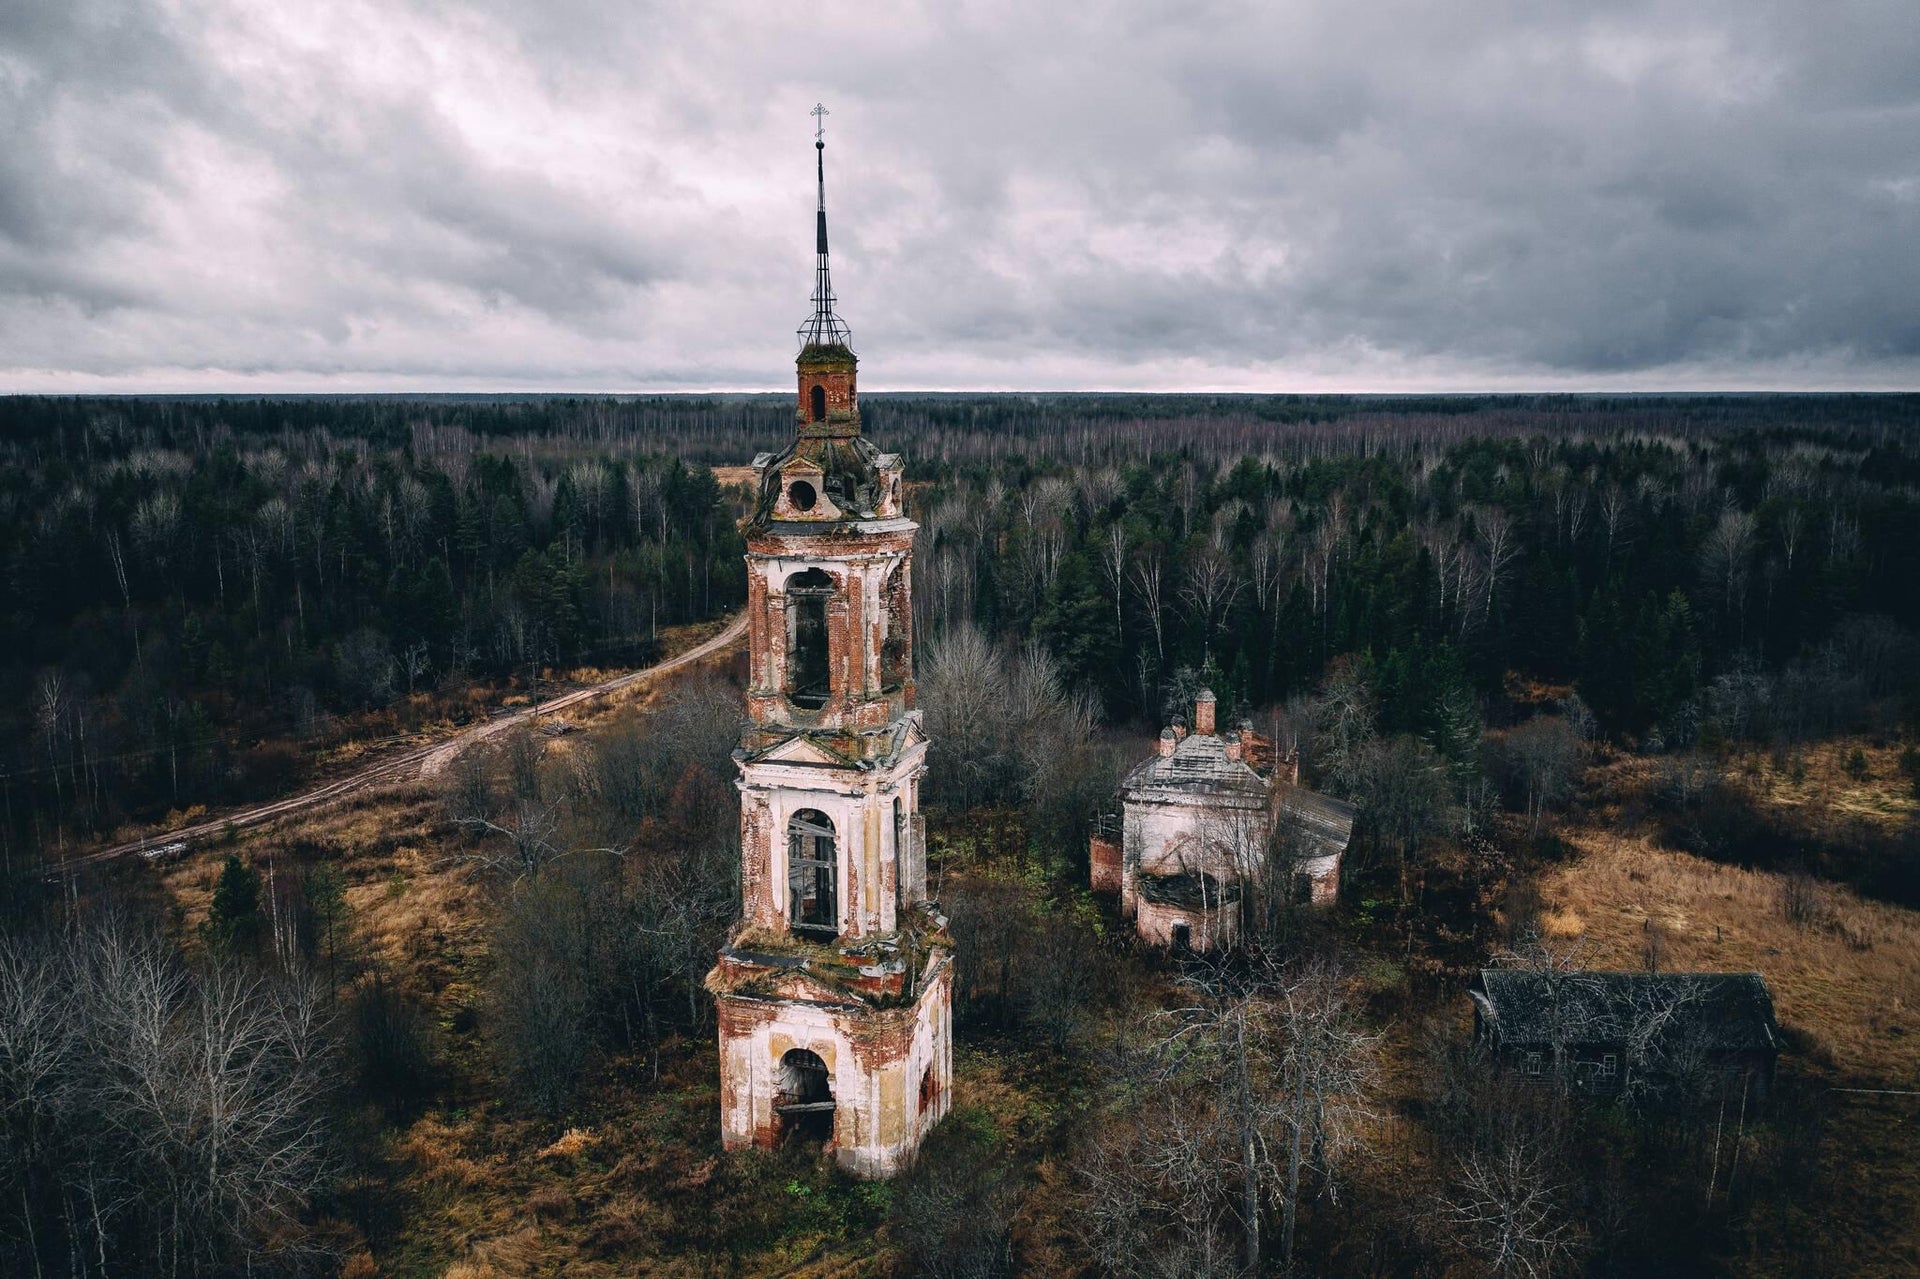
<point x="801" y="494"/>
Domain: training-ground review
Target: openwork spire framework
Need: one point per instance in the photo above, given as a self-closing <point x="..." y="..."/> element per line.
<point x="823" y="327"/>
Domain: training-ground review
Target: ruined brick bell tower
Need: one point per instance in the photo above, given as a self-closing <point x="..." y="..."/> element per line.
<point x="835" y="987"/>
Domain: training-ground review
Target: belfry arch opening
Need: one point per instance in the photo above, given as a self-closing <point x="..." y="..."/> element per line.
<point x="805" y="1101"/>
<point x="812" y="874"/>
<point x="808" y="669"/>
<point x="817" y="403"/>
<point x="896" y="657"/>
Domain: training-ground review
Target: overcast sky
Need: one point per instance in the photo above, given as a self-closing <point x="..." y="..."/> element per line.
<point x="557" y="194"/>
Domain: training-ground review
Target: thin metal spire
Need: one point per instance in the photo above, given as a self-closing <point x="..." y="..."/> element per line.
<point x="823" y="327"/>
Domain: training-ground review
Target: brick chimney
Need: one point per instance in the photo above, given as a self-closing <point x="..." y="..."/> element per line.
<point x="1167" y="741"/>
<point x="1233" y="746"/>
<point x="1203" y="712"/>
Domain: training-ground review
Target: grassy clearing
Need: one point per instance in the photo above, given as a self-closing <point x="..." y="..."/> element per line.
<point x="1849" y="984"/>
<point x="1852" y="978"/>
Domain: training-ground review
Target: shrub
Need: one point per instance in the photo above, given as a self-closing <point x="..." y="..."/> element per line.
<point x="953" y="1211"/>
<point x="1856" y="765"/>
<point x="392" y="1046"/>
<point x="1799" y="898"/>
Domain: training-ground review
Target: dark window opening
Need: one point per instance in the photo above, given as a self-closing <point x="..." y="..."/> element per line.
<point x="894" y="658"/>
<point x="900" y="853"/>
<point x="819" y="402"/>
<point x="812" y="881"/>
<point x="803" y="1107"/>
<point x="801" y="495"/>
<point x="1302" y="890"/>
<point x="927" y="1090"/>
<point x="809" y="680"/>
<point x="1182" y="939"/>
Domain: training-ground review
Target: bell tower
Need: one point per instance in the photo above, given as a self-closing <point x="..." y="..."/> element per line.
<point x="835" y="987"/>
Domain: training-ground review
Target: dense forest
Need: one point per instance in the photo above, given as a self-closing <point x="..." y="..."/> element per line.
<point x="192" y="588"/>
<point x="192" y="584"/>
<point x="1566" y="655"/>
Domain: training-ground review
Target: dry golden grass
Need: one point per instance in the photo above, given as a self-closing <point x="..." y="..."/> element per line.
<point x="572" y="1142"/>
<point x="732" y="476"/>
<point x="1816" y="782"/>
<point x="474" y="1270"/>
<point x="1853" y="979"/>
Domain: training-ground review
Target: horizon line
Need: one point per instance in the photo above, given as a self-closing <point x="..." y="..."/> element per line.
<point x="692" y="392"/>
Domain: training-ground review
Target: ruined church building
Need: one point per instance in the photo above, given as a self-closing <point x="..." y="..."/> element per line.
<point x="835" y="986"/>
<point x="1204" y="823"/>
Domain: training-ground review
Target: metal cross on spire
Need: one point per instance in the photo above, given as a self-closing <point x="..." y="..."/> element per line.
<point x="823" y="327"/>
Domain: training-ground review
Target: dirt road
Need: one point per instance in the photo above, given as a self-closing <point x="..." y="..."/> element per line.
<point x="421" y="761"/>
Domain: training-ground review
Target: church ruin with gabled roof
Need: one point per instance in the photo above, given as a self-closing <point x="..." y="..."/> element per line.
<point x="1201" y="823"/>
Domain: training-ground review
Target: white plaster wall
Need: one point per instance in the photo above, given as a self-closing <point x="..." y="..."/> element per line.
<point x="1324" y="875"/>
<point x="861" y="1094"/>
<point x="860" y="806"/>
<point x="1205" y="928"/>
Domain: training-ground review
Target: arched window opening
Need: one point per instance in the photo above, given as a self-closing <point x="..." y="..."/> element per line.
<point x="819" y="404"/>
<point x="804" y="1104"/>
<point x="900" y="859"/>
<point x="808" y="670"/>
<point x="928" y="1090"/>
<point x="896" y="611"/>
<point x="812" y="879"/>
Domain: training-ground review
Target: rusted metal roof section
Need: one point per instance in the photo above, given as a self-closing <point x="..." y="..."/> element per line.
<point x="1316" y="825"/>
<point x="853" y="477"/>
<point x="1199" y="763"/>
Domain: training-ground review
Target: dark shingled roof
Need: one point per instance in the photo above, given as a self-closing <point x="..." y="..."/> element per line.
<point x="1727" y="1011"/>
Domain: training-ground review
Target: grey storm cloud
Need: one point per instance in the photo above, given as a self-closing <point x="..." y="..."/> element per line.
<point x="420" y="194"/>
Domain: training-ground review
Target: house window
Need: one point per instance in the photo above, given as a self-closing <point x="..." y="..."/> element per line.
<point x="1533" y="1064"/>
<point x="927" y="1090"/>
<point x="1182" y="938"/>
<point x="819" y="405"/>
<point x="812" y="874"/>
<point x="1609" y="1066"/>
<point x="808" y="678"/>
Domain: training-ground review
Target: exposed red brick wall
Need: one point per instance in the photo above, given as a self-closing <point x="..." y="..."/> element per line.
<point x="1104" y="854"/>
<point x="838" y="383"/>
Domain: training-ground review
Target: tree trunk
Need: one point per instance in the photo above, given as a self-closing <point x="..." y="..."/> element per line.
<point x="1293" y="1165"/>
<point x="1249" y="1147"/>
